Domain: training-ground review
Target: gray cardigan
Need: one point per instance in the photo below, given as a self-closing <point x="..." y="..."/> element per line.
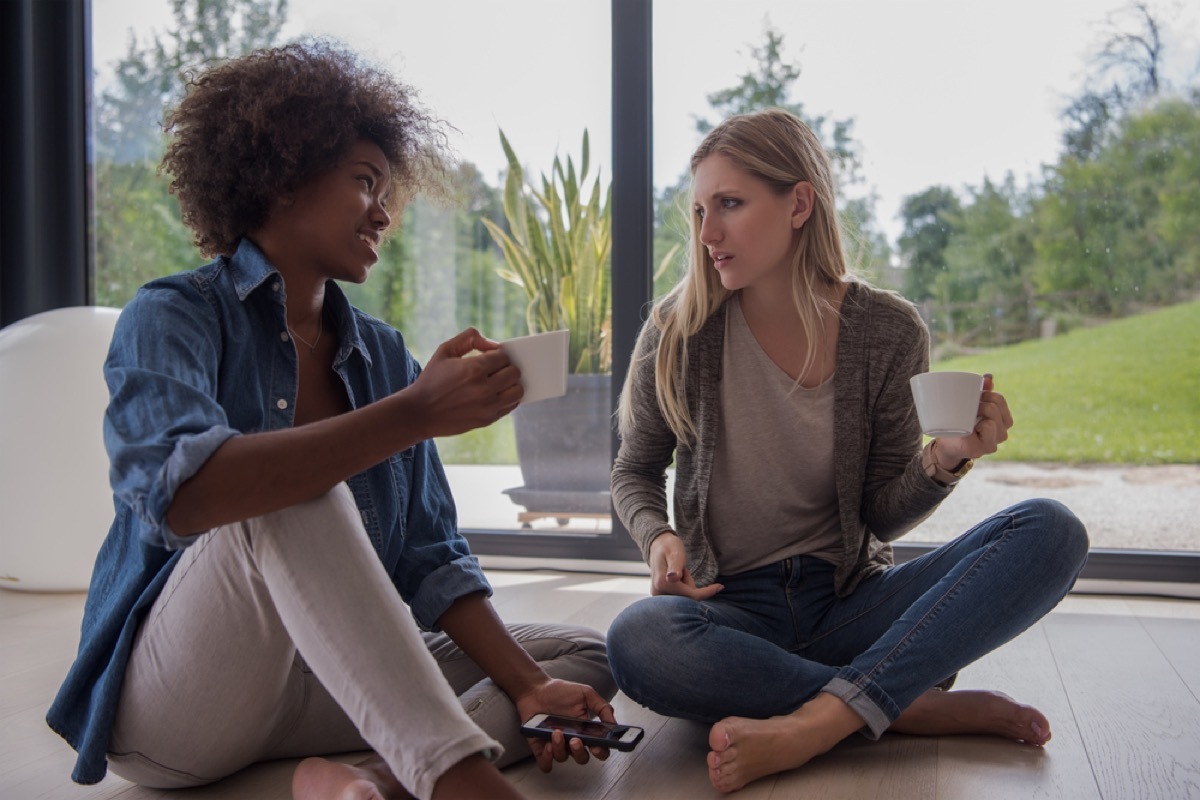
<point x="882" y="490"/>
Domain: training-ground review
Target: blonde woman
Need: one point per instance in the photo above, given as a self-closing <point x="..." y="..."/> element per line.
<point x="779" y="385"/>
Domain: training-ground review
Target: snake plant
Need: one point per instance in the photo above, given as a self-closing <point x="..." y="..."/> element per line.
<point x="557" y="249"/>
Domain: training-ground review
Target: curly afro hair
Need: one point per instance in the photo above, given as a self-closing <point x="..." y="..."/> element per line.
<point x="258" y="127"/>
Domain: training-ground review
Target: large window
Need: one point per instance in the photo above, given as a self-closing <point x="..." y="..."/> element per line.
<point x="536" y="73"/>
<point x="1033" y="191"/>
<point x="1029" y="189"/>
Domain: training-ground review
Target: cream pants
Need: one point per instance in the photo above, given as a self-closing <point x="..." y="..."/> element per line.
<point x="282" y="636"/>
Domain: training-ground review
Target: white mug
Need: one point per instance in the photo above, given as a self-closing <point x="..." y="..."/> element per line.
<point x="542" y="359"/>
<point x="947" y="402"/>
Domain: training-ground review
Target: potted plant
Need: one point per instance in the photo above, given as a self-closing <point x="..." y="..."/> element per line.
<point x="557" y="250"/>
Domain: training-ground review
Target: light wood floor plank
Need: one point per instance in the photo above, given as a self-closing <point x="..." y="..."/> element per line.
<point x="1140" y="723"/>
<point x="893" y="768"/>
<point x="1179" y="640"/>
<point x="990" y="768"/>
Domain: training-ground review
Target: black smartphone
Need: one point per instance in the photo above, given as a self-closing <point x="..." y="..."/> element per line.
<point x="592" y="732"/>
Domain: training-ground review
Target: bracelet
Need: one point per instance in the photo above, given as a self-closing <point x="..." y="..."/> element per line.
<point x="946" y="477"/>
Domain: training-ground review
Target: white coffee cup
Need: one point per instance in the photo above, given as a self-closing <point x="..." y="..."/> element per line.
<point x="542" y="359"/>
<point x="947" y="402"/>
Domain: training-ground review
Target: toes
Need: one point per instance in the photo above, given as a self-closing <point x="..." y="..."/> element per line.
<point x="720" y="736"/>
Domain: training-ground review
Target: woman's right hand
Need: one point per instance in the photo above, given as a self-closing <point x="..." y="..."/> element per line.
<point x="669" y="573"/>
<point x="468" y="383"/>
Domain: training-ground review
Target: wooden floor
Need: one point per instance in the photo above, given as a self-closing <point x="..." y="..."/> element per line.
<point x="1119" y="678"/>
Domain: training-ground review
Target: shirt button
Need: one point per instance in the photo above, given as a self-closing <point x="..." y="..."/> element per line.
<point x="283" y="336"/>
<point x="281" y="404"/>
<point x="275" y="286"/>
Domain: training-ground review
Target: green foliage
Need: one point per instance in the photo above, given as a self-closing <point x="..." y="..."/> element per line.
<point x="867" y="249"/>
<point x="495" y="444"/>
<point x="1126" y="392"/>
<point x="929" y="219"/>
<point x="557" y="250"/>
<point x="986" y="261"/>
<point x="1122" y="226"/>
<point x="138" y="233"/>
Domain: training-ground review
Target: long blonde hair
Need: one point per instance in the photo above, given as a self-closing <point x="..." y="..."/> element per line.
<point x="776" y="147"/>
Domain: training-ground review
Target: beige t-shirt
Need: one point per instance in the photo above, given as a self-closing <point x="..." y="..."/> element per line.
<point x="772" y="494"/>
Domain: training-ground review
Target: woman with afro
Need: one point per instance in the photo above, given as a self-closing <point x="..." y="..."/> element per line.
<point x="284" y="576"/>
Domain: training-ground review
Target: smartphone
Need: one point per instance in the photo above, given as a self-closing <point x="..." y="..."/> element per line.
<point x="592" y="732"/>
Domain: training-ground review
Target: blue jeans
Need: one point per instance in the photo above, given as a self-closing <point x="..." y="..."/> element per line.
<point x="778" y="635"/>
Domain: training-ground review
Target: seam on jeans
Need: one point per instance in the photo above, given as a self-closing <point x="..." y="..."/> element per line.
<point x="201" y="549"/>
<point x="936" y="607"/>
<point x="145" y="760"/>
<point x="884" y="599"/>
<point x="288" y="726"/>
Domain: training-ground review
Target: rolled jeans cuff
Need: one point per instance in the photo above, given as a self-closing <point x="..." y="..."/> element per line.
<point x="865" y="699"/>
<point x="427" y="774"/>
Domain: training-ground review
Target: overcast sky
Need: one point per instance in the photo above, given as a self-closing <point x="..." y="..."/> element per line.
<point x="940" y="91"/>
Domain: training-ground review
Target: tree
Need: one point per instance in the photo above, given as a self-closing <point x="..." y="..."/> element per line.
<point x="988" y="261"/>
<point x="1133" y="48"/>
<point x="1127" y="73"/>
<point x="929" y="219"/>
<point x="867" y="250"/>
<point x="139" y="234"/>
<point x="1087" y="121"/>
<point x="1121" y="228"/>
<point x="150" y="78"/>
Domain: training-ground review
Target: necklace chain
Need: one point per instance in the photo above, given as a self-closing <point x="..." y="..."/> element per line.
<point x="312" y="346"/>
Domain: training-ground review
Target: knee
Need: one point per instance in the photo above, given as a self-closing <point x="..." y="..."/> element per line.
<point x="1062" y="535"/>
<point x="591" y="649"/>
<point x="640" y="637"/>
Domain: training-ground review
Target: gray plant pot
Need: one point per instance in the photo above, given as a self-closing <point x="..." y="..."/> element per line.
<point x="564" y="445"/>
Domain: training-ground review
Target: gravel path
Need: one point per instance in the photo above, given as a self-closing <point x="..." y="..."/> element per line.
<point x="1129" y="507"/>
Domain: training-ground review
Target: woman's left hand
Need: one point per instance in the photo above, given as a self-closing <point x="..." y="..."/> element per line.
<point x="991" y="428"/>
<point x="570" y="700"/>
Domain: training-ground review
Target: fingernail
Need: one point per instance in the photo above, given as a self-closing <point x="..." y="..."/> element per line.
<point x="1038" y="729"/>
<point x="672" y="576"/>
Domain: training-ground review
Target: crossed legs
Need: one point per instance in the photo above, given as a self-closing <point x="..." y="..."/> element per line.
<point x="282" y="636"/>
<point x="785" y="671"/>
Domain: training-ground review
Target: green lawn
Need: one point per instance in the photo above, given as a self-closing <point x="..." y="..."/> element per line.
<point x="495" y="444"/>
<point x="1124" y="392"/>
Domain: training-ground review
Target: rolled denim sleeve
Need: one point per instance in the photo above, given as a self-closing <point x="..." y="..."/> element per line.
<point x="440" y="588"/>
<point x="163" y="421"/>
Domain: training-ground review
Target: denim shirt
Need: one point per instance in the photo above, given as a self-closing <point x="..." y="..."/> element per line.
<point x="198" y="358"/>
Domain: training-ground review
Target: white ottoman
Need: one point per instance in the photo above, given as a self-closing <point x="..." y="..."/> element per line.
<point x="55" y="500"/>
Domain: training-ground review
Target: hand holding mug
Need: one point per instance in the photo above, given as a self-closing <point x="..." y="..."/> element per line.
<point x="992" y="421"/>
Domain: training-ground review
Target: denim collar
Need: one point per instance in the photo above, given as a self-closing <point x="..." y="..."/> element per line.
<point x="250" y="269"/>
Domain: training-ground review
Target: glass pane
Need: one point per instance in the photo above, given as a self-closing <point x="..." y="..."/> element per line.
<point x="1042" y="221"/>
<point x="536" y="70"/>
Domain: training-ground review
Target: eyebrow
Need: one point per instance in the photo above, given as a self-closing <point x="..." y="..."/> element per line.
<point x="371" y="166"/>
<point x="720" y="191"/>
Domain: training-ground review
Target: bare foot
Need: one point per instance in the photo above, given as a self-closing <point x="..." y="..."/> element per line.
<point x="322" y="779"/>
<point x="744" y="750"/>
<point x="938" y="713"/>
